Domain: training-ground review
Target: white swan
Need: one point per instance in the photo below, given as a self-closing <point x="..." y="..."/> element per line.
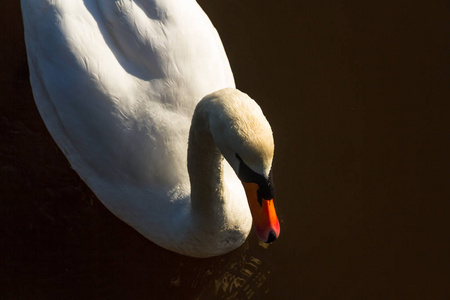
<point x="117" y="84"/>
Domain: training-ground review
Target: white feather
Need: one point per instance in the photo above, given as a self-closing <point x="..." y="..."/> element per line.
<point x="116" y="83"/>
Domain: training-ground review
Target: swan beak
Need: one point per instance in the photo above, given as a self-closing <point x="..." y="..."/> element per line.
<point x="265" y="218"/>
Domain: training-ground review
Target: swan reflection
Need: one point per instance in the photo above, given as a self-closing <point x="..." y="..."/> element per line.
<point x="240" y="275"/>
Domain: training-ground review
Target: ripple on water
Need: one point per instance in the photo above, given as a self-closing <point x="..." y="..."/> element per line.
<point x="240" y="275"/>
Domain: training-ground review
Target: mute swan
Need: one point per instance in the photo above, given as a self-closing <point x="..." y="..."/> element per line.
<point x="140" y="97"/>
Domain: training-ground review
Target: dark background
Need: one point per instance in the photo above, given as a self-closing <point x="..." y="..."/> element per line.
<point x="357" y="94"/>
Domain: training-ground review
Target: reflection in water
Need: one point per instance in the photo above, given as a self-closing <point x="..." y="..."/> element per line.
<point x="239" y="276"/>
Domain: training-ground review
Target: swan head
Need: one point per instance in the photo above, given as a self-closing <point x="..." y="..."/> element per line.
<point x="244" y="137"/>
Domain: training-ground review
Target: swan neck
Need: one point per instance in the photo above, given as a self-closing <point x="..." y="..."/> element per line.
<point x="205" y="166"/>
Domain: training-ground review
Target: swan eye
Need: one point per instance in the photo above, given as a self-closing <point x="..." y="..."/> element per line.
<point x="259" y="197"/>
<point x="245" y="174"/>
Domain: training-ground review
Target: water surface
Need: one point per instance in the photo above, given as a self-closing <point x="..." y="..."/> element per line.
<point x="354" y="92"/>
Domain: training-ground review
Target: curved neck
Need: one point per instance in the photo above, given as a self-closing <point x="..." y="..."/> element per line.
<point x="219" y="217"/>
<point x="205" y="166"/>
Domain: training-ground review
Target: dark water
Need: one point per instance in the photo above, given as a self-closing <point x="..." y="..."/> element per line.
<point x="356" y="93"/>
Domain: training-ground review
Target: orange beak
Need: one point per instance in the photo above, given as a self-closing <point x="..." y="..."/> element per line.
<point x="264" y="216"/>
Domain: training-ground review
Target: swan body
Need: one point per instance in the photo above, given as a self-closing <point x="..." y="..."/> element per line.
<point x="140" y="97"/>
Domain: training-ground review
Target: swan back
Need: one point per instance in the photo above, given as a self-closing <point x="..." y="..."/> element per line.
<point x="117" y="82"/>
